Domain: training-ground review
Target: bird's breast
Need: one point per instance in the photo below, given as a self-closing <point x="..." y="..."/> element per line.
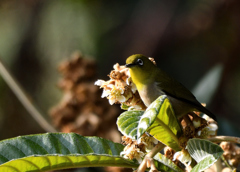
<point x="149" y="93"/>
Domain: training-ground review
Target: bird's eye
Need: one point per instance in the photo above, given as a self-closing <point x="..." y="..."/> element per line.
<point x="140" y="62"/>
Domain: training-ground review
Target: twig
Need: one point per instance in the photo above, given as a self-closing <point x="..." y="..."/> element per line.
<point x="218" y="139"/>
<point x="24" y="100"/>
<point x="226" y="163"/>
<point x="142" y="167"/>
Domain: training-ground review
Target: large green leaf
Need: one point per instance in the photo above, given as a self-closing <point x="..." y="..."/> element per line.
<point x="55" y="162"/>
<point x="127" y="123"/>
<point x="160" y="121"/>
<point x="168" y="164"/>
<point x="204" y="152"/>
<point x="59" y="151"/>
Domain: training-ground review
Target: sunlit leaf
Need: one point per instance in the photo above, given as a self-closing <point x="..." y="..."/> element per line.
<point x="160" y="121"/>
<point x="204" y="152"/>
<point x="55" y="162"/>
<point x="124" y="106"/>
<point x="168" y="164"/>
<point x="127" y="123"/>
<point x="53" y="151"/>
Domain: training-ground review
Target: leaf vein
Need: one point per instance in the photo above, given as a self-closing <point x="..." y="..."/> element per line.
<point x="88" y="160"/>
<point x="17" y="149"/>
<point x="60" y="143"/>
<point x="99" y="159"/>
<point x="9" y="166"/>
<point x="35" y="142"/>
<point x="50" y="164"/>
<point x="70" y="160"/>
<point x="30" y="163"/>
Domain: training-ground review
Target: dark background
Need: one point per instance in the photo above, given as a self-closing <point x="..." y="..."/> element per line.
<point x="187" y="38"/>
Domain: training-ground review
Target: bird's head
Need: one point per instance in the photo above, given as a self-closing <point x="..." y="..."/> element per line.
<point x="141" y="68"/>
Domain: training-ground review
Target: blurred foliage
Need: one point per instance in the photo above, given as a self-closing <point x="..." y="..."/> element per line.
<point x="186" y="38"/>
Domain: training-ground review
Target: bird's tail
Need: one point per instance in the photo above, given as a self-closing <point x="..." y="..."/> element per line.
<point x="207" y="112"/>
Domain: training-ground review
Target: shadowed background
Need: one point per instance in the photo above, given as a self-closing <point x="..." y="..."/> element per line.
<point x="187" y="39"/>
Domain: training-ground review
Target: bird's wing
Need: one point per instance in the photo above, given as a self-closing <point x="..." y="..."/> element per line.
<point x="175" y="89"/>
<point x="172" y="88"/>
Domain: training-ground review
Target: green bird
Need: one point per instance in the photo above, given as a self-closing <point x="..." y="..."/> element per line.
<point x="152" y="82"/>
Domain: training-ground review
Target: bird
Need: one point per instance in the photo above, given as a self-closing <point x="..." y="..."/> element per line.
<point x="152" y="82"/>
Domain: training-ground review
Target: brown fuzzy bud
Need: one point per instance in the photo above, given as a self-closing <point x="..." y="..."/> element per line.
<point x="227" y="146"/>
<point x="183" y="141"/>
<point x="189" y="131"/>
<point x="169" y="152"/>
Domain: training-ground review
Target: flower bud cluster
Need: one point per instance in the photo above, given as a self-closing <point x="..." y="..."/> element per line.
<point x="195" y="126"/>
<point x="210" y="130"/>
<point x="120" y="89"/>
<point x="137" y="149"/>
<point x="81" y="109"/>
<point x="184" y="157"/>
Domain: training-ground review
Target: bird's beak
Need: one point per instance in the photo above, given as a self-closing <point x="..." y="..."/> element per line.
<point x="130" y="65"/>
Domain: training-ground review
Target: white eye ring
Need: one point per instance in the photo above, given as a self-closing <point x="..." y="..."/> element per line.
<point x="140" y="62"/>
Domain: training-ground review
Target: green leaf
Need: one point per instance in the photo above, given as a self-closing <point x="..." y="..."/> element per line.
<point x="207" y="86"/>
<point x="124" y="106"/>
<point x="168" y="164"/>
<point x="53" y="151"/>
<point x="204" y="152"/>
<point x="160" y="121"/>
<point x="127" y="123"/>
<point x="56" y="162"/>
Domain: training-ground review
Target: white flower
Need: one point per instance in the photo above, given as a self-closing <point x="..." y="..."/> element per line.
<point x="116" y="66"/>
<point x="117" y="98"/>
<point x="133" y="88"/>
<point x="207" y="118"/>
<point x="128" y="81"/>
<point x="105" y="93"/>
<point x="99" y="82"/>
<point x="196" y="124"/>
<point x="131" y="152"/>
<point x="111" y="101"/>
<point x="210" y="130"/>
<point x="115" y="95"/>
<point x="183" y="156"/>
<point x="148" y="141"/>
<point x="120" y="88"/>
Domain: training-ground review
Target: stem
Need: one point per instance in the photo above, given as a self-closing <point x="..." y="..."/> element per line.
<point x="142" y="167"/>
<point x="218" y="139"/>
<point x="24" y="100"/>
<point x="218" y="165"/>
<point x="225" y="162"/>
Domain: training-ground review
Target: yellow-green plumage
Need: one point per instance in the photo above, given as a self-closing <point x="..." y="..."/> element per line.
<point x="152" y="82"/>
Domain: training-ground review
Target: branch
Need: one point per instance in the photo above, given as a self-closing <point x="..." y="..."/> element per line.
<point x="24" y="100"/>
<point x="142" y="167"/>
<point x="218" y="139"/>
